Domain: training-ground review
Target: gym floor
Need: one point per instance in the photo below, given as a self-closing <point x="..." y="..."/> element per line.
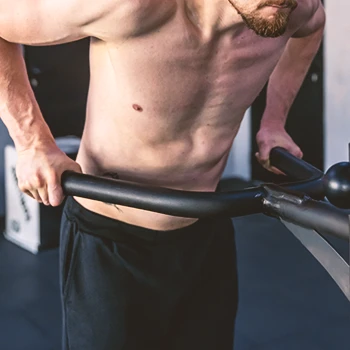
<point x="287" y="300"/>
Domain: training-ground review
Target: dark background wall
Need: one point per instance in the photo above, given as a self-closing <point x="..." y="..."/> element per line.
<point x="60" y="76"/>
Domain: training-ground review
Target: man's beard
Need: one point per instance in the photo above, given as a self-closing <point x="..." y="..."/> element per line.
<point x="269" y="28"/>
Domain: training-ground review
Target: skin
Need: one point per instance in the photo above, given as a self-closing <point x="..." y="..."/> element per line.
<point x="169" y="88"/>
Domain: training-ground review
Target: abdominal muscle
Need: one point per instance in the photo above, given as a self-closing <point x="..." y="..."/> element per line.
<point x="181" y="164"/>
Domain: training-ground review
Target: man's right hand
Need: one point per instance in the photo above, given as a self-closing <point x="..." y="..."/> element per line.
<point x="39" y="171"/>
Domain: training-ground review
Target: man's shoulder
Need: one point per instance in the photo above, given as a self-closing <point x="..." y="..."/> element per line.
<point x="303" y="13"/>
<point x="126" y="18"/>
<point x="308" y="18"/>
<point x="305" y="10"/>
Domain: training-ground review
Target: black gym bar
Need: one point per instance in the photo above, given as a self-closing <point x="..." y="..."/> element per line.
<point x="306" y="178"/>
<point x="162" y="200"/>
<point x="194" y="204"/>
<point x="294" y="202"/>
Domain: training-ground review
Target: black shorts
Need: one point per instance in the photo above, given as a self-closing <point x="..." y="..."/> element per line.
<point x="125" y="287"/>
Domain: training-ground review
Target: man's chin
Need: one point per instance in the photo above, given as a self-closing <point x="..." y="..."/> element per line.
<point x="267" y="28"/>
<point x="270" y="34"/>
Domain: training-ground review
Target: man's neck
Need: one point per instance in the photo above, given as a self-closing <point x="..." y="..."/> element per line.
<point x="212" y="16"/>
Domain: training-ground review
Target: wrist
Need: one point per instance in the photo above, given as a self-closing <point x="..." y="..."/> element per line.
<point x="271" y="124"/>
<point x="33" y="135"/>
<point x="272" y="119"/>
<point x="24" y="121"/>
<point x="276" y="110"/>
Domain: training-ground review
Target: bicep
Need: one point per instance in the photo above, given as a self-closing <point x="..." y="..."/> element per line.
<point x="39" y="22"/>
<point x="315" y="22"/>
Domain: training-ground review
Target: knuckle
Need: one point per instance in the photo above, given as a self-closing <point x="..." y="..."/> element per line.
<point x="22" y="186"/>
<point x="54" y="187"/>
<point x="52" y="177"/>
<point x="36" y="181"/>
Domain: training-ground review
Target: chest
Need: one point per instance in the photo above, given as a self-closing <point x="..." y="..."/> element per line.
<point x="176" y="60"/>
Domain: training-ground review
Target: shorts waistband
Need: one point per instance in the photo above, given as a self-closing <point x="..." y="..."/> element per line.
<point x="97" y="224"/>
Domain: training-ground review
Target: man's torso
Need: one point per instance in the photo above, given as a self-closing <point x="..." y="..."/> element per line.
<point x="165" y="103"/>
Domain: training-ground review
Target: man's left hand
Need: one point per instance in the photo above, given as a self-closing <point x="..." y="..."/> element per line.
<point x="270" y="137"/>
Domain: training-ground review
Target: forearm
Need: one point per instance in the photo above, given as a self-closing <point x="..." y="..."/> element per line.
<point x="288" y="76"/>
<point x="19" y="109"/>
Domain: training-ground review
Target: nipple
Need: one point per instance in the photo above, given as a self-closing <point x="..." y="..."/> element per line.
<point x="137" y="108"/>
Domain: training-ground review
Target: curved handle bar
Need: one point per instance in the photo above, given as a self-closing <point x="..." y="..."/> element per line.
<point x="194" y="204"/>
<point x="294" y="167"/>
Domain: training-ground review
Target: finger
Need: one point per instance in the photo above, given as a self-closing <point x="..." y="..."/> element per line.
<point x="34" y="194"/>
<point x="267" y="166"/>
<point x="295" y="151"/>
<point x="44" y="195"/>
<point x="264" y="162"/>
<point x="300" y="154"/>
<point x="276" y="171"/>
<point x="264" y="153"/>
<point x="55" y="194"/>
<point x="78" y="168"/>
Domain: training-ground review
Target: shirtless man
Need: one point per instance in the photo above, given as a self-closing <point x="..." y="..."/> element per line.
<point x="170" y="82"/>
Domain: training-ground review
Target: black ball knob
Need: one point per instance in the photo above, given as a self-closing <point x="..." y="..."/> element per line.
<point x="337" y="185"/>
